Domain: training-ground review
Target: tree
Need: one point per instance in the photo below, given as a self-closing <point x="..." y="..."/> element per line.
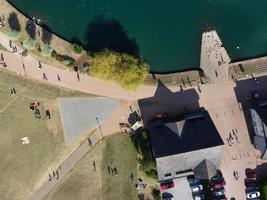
<point x="127" y="71"/>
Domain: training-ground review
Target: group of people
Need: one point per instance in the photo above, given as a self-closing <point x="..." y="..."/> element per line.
<point x="113" y="171"/>
<point x="54" y="174"/>
<point x="214" y="49"/>
<point x="232" y="137"/>
<point x="13" y="47"/>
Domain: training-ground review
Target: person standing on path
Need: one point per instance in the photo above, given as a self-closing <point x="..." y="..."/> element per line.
<point x="54" y="174"/>
<point x="49" y="177"/>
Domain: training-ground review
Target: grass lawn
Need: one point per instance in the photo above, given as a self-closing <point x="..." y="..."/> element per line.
<point x="24" y="167"/>
<point x="82" y="183"/>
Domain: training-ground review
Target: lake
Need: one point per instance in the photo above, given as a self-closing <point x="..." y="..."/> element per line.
<point x="168" y="33"/>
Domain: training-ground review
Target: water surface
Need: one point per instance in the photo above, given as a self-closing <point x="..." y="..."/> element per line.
<point x="167" y="32"/>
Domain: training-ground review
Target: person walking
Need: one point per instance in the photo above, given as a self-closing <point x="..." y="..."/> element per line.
<point x="58" y="77"/>
<point x="54" y="174"/>
<point x="57" y="174"/>
<point x="40" y="66"/>
<point x="49" y="177"/>
<point x="94" y="166"/>
<point x="44" y="76"/>
<point x="78" y="76"/>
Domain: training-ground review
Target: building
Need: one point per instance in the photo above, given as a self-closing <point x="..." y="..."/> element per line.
<point x="190" y="145"/>
<point x="258" y="119"/>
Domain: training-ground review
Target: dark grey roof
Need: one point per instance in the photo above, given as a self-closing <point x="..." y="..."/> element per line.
<point x="192" y="132"/>
<point x="205" y="170"/>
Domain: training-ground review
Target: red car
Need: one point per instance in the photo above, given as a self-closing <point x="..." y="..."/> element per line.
<point x="218" y="184"/>
<point x="251" y="174"/>
<point x="167" y="185"/>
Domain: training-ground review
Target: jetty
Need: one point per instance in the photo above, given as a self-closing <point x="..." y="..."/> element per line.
<point x="214" y="60"/>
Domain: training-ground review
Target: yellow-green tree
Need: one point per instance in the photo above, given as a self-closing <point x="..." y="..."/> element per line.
<point x="127" y="71"/>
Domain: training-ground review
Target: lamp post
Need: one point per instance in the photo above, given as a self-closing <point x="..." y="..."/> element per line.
<point x="99" y="128"/>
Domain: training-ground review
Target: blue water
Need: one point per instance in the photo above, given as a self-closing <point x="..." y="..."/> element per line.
<point x="168" y="33"/>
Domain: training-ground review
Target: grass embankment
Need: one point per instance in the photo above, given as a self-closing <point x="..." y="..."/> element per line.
<point x="263" y="189"/>
<point x="24" y="167"/>
<point x="83" y="183"/>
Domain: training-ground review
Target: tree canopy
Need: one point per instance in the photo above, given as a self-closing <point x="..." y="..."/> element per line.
<point x="127" y="71"/>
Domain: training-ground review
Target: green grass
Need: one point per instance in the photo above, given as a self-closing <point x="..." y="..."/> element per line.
<point x="120" y="153"/>
<point x="24" y="167"/>
<point x="263" y="188"/>
<point x="82" y="183"/>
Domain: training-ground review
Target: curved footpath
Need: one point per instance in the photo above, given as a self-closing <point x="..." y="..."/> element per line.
<point x="69" y="79"/>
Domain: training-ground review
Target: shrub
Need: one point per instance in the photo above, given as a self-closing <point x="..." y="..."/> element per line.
<point x="156" y="193"/>
<point x="29" y="43"/>
<point x="46" y="50"/>
<point x="12" y="35"/>
<point x="77" y="48"/>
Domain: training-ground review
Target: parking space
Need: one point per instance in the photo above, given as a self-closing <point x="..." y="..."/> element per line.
<point x="181" y="191"/>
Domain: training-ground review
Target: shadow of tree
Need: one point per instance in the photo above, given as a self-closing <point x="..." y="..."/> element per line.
<point x="13" y="22"/>
<point x="47" y="34"/>
<point x="109" y="34"/>
<point x="31" y="29"/>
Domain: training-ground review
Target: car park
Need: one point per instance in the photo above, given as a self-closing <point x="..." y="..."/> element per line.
<point x="167" y="185"/>
<point x="197" y="188"/>
<point x="253" y="195"/>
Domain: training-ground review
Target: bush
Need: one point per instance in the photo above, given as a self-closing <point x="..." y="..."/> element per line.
<point x="156" y="193"/>
<point x="13" y="35"/>
<point x="29" y="43"/>
<point x="46" y="50"/>
<point x="127" y="71"/>
<point x="152" y="173"/>
<point x="77" y="48"/>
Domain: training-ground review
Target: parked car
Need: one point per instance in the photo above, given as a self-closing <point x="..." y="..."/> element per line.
<point x="199" y="197"/>
<point x="250" y="173"/>
<point x="218" y="184"/>
<point x="193" y="181"/>
<point x="253" y="195"/>
<point x="217" y="177"/>
<point x="220" y="198"/>
<point x="167" y="196"/>
<point x="167" y="185"/>
<point x="197" y="188"/>
<point x="135" y="121"/>
<point x="219" y="193"/>
<point x="251" y="184"/>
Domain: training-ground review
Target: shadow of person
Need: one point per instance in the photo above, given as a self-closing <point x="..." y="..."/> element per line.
<point x="109" y="34"/>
